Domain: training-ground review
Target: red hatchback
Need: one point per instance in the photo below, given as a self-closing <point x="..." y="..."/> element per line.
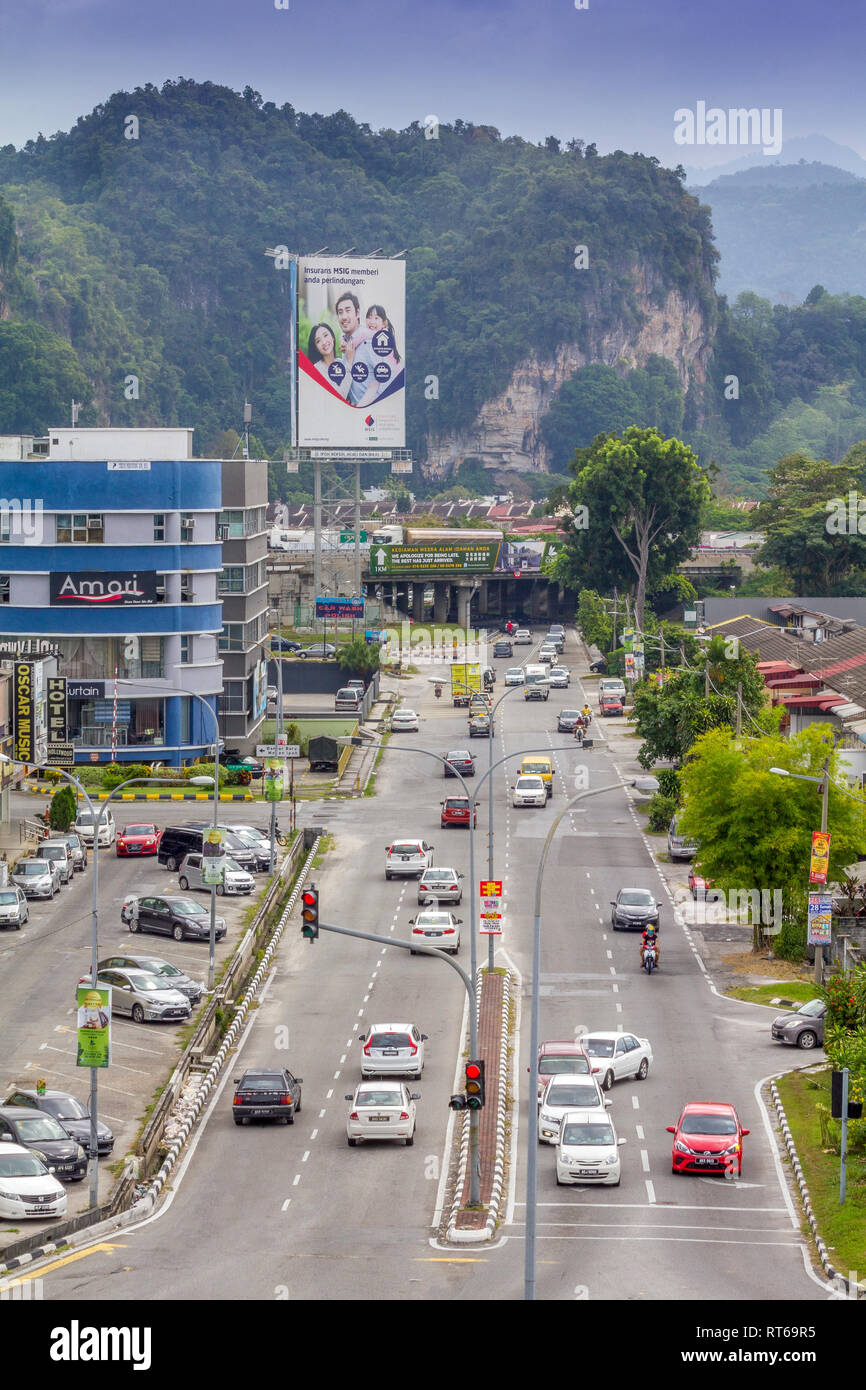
<point x="562" y="1059"/>
<point x="707" y="1137"/>
<point x="611" y="705"/>
<point x="455" y="811"/>
<point x="138" y="839"/>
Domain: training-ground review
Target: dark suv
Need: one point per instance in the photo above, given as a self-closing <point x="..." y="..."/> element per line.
<point x="180" y="840"/>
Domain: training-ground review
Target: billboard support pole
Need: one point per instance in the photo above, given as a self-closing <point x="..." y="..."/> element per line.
<point x="357" y="530"/>
<point x="317" y="529"/>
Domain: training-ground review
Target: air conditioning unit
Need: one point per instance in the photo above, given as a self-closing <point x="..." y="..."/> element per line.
<point x="223" y="532"/>
<point x="94" y="523"/>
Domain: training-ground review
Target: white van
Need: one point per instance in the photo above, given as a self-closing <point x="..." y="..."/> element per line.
<point x="532" y="690"/>
<point x="611" y="685"/>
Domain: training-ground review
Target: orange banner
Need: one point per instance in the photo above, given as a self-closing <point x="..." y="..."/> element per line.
<point x="820" y="856"/>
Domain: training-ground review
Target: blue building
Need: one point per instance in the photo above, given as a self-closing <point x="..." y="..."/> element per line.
<point x="109" y="548"/>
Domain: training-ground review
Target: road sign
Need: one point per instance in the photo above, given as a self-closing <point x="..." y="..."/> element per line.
<point x="490" y="907"/>
<point x="348" y="537"/>
<point x="491" y="888"/>
<point x="490" y="928"/>
<point x="278" y="750"/>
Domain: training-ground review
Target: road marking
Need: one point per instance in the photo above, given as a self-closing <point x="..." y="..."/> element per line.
<point x="321" y="1112"/>
<point x="615" y="989"/>
<point x="644" y="1160"/>
<point x="296" y="1180"/>
<point x="610" y="955"/>
<point x="639" y="1131"/>
<point x="305" y="1156"/>
<point x="328" y="1097"/>
<point x="286" y="1204"/>
<point x="342" y="1063"/>
<point x="449" y="1260"/>
<point x="688" y="1240"/>
<point x="336" y="1076"/>
<point x="650" y="1192"/>
<point x="635" y="1103"/>
<point x="66" y="1260"/>
<point x="619" y="1008"/>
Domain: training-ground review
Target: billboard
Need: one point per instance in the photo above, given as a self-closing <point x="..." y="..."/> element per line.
<point x="472" y="556"/>
<point x="351" y="353"/>
<point x="339" y="608"/>
<point x="94" y="1025"/>
<point x="104" y="588"/>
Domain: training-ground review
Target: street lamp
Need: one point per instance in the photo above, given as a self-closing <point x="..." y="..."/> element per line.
<point x="96" y="817"/>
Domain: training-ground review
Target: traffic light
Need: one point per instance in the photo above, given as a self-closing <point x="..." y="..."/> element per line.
<point x="474" y="1074"/>
<point x="310" y="912"/>
<point x="457" y="1103"/>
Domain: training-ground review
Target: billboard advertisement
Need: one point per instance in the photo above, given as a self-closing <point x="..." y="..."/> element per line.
<point x="103" y="588"/>
<point x="94" y="1026"/>
<point x="820" y="856"/>
<point x="213" y="856"/>
<point x="820" y="920"/>
<point x="351" y="353"/>
<point x="472" y="556"/>
<point x="339" y="608"/>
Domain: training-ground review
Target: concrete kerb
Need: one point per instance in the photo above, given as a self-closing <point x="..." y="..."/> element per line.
<point x="148" y="1200"/>
<point x="469" y="1237"/>
<point x="855" y="1289"/>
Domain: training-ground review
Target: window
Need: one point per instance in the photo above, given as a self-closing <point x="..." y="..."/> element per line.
<point x="187" y="526"/>
<point x="185" y="648"/>
<point x="160" y="588"/>
<point x="186" y="587"/>
<point x="231" y="525"/>
<point x="233" y="699"/>
<point x="231" y="639"/>
<point x="231" y="580"/>
<point x="80" y="528"/>
<point x="159" y="526"/>
<point x="4" y="588"/>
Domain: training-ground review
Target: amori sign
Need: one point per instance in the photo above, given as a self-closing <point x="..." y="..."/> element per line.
<point x="103" y="588"/>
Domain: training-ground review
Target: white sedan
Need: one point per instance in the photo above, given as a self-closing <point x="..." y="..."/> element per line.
<point x="404" y="721"/>
<point x="564" y="1093"/>
<point x="514" y="675"/>
<point x="588" y="1149"/>
<point x="560" y="677"/>
<point x="381" y="1110"/>
<point x="27" y="1188"/>
<point x="436" y="928"/>
<point x="529" y="791"/>
<point x="617" y="1055"/>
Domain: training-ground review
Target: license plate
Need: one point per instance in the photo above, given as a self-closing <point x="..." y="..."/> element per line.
<point x="708" y="1162"/>
<point x="380" y="1119"/>
<point x="389" y="1052"/>
<point x="36" y="1211"/>
<point x="405" y="858"/>
<point x="587" y="1172"/>
<point x="66" y="1167"/>
<point x="259" y="1112"/>
<point x="432" y="933"/>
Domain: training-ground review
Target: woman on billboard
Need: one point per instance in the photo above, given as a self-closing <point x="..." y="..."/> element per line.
<point x="377" y="321"/>
<point x="322" y="352"/>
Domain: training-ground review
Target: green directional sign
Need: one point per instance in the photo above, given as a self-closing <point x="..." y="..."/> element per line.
<point x="477" y="557"/>
<point x="348" y="538"/>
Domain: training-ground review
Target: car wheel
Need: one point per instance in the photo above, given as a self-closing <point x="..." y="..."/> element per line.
<point x="353" y="1143"/>
<point x="137" y="1013"/>
<point x="642" y="1070"/>
<point x="238" y="1122"/>
<point x="807" y="1038"/>
<point x="615" y="1184"/>
<point x="559" y="1181"/>
<point x="409" y="1140"/>
<point x="133" y="925"/>
<point x="183" y="882"/>
<point x="177" y="933"/>
<point x="220" y="890"/>
<point x="298" y="1106"/>
<point x="387" y="876"/>
<point x="412" y="951"/>
<point x="608" y="1080"/>
<point x="171" y="864"/>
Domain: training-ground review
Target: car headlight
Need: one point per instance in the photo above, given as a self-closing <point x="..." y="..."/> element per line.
<point x="732" y="1149"/>
<point x="611" y="1159"/>
<point x="681" y="1147"/>
<point x="12" y="1196"/>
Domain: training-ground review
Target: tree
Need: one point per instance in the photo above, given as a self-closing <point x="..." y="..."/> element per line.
<point x="358" y="656"/>
<point x="753" y="827"/>
<point x="669" y="719"/>
<point x="593" y="619"/>
<point x="642" y="497"/>
<point x="807" y="523"/>
<point x="64" y="808"/>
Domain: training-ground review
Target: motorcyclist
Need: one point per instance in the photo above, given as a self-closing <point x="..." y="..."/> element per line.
<point x="650" y="938"/>
<point x="587" y="715"/>
<point x="579" y="726"/>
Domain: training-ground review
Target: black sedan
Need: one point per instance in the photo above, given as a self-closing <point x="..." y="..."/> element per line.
<point x="71" y="1114"/>
<point x="172" y="915"/>
<point x="39" y="1131"/>
<point x="163" y="969"/>
<point x="479" y="726"/>
<point x="266" y="1095"/>
<point x="567" y="720"/>
<point x="460" y="760"/>
<point x="283" y="644"/>
<point x="633" y="909"/>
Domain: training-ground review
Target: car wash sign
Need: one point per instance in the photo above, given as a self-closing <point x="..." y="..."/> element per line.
<point x="103" y="589"/>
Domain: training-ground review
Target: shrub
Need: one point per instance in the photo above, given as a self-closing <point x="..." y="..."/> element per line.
<point x="669" y="782"/>
<point x="662" y="809"/>
<point x="115" y="773"/>
<point x="843" y="995"/>
<point x="790" y="942"/>
<point x="64" y="808"/>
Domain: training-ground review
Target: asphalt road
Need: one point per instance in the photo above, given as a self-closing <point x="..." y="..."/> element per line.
<point x="287" y="1212"/>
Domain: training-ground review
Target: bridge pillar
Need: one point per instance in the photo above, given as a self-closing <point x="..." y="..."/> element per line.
<point x="418" y="602"/>
<point x="464" y="602"/>
<point x="482" y="599"/>
<point x="441" y="602"/>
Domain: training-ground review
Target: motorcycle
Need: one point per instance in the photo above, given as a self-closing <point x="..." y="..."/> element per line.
<point x="437" y="691"/>
<point x="650" y="959"/>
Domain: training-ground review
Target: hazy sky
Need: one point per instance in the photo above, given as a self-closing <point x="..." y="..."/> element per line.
<point x="614" y="72"/>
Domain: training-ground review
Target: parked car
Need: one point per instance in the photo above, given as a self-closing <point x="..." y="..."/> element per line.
<point x="617" y="1055"/>
<point x="27" y="1186"/>
<point x="442" y="884"/>
<point x="698" y="885"/>
<point x="155" y="965"/>
<point x="323" y="650"/>
<point x="14" y="911"/>
<point x="348" y="698"/>
<point x="459" y="760"/>
<point x="392" y="1049"/>
<point x="58" y="852"/>
<point x="503" y="647"/>
<point x="381" y="1110"/>
<point x="634" y="909"/>
<point x="38" y="878"/>
<point x="435" y="927"/>
<point x="455" y="811"/>
<point x="84" y="827"/>
<point x="679" y="845"/>
<point x="529" y="791"/>
<point x="407" y="857"/>
<point x="143" y="997"/>
<point x="235" y="879"/>
<point x="611" y="706"/>
<point x="76" y="847"/>
<point x="248" y="843"/>
<point x="171" y="913"/>
<point x="39" y="1131"/>
<point x="137" y="839"/>
<point x="612" y="685"/>
<point x="70" y="1113"/>
<point x="284" y="644"/>
<point x="261" y="1094"/>
<point x="802" y="1028"/>
<point x="708" y="1136"/>
<point x="588" y="1149"/>
<point x="599" y="667"/>
<point x="176" y="842"/>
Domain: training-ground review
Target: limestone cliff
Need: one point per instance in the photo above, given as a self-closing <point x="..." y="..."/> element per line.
<point x="506" y="432"/>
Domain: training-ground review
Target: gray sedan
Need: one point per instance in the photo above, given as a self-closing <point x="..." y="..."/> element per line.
<point x="141" y="997"/>
<point x="38" y="878"/>
<point x="162" y="969"/>
<point x="804" y="1028"/>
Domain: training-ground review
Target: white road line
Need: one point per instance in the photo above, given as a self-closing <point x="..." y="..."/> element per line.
<point x="328" y="1097"/>
<point x="641" y="1206"/>
<point x="313" y="1135"/>
<point x="321" y="1112"/>
<point x="286" y="1204"/>
<point x="650" y="1192"/>
<point x="612" y="968"/>
<point x="336" y="1076"/>
<point x="342" y="1062"/>
<point x="638" y="1129"/>
<point x="635" y="1103"/>
<point x="609" y="955"/>
<point x="644" y="1160"/>
<point x="619" y="1008"/>
<point x="305" y="1156"/>
<point x="688" y="1240"/>
<point x="296" y="1180"/>
<point x="615" y="989"/>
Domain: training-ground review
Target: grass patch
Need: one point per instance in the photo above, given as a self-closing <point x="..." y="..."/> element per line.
<point x="801" y="991"/>
<point x="325" y="843"/>
<point x="843" y="1228"/>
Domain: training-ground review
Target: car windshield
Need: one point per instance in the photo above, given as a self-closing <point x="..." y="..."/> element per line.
<point x="262" y="1083"/>
<point x="708" y="1124"/>
<point x="70" y="1109"/>
<point x="569" y="713"/>
<point x="32" y="1127"/>
<point x="535" y="767"/>
<point x="31" y="867"/>
<point x="142" y="981"/>
<point x="571" y="1066"/>
<point x="85" y="818"/>
<point x="236" y="868"/>
<point x="139" y="830"/>
<point x="530" y="783"/>
<point x="8" y="899"/>
<point x="813" y="1009"/>
<point x="383" y="1096"/>
<point x="390" y="1040"/>
<point x="440" y="878"/>
<point x="52" y="851"/>
<point x="406" y="849"/>
<point x="460" y="756"/>
<point x="181" y="908"/>
<point x="576" y="1097"/>
<point x="161" y="968"/>
<point x="21" y="1166"/>
<point x="589" y="1135"/>
<point x="638" y="897"/>
<point x="433" y="919"/>
<point x="598" y="1047"/>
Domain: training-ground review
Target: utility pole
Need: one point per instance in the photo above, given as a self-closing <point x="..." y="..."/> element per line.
<point x="739" y="708"/>
<point x="818" y="974"/>
<point x="662" y="636"/>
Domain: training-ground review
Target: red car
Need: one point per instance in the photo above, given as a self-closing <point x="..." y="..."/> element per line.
<point x="455" y="811"/>
<point x="611" y="704"/>
<point x="138" y="839"/>
<point x="698" y="885"/>
<point x="558" y="1058"/>
<point x="708" y="1137"/>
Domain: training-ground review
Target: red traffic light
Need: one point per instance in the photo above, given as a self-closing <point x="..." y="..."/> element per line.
<point x="310" y="913"/>
<point x="473" y="1071"/>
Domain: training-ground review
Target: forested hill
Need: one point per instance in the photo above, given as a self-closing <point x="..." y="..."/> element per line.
<point x="146" y="255"/>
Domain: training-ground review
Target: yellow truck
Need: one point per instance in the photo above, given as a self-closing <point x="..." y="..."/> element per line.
<point x="465" y="681"/>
